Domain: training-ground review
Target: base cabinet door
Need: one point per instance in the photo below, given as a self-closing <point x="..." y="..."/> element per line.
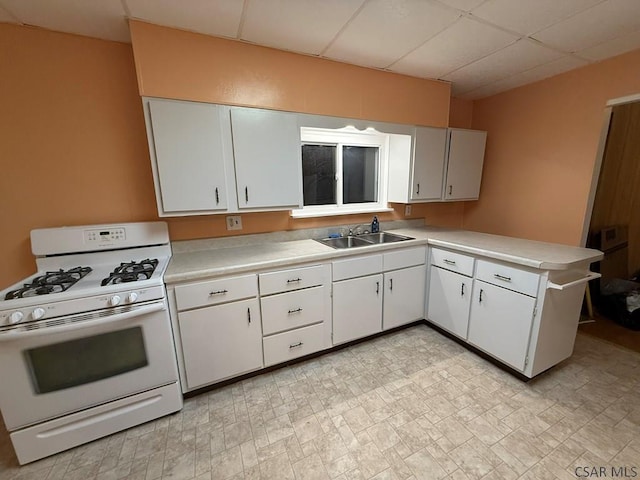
<point x="357" y="308"/>
<point x="500" y="323"/>
<point x="449" y="301"/>
<point x="221" y="341"/>
<point x="404" y="292"/>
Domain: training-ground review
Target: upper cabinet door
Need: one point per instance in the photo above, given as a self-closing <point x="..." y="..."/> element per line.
<point x="267" y="152"/>
<point x="464" y="171"/>
<point x="189" y="164"/>
<point x="428" y="163"/>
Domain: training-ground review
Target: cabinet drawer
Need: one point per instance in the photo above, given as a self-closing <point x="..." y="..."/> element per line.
<point x="409" y="257"/>
<point x="508" y="277"/>
<point x="216" y="291"/>
<point x="294" y="279"/>
<point x="296" y="343"/>
<point x="456" y="262"/>
<point x="292" y="310"/>
<point x="356" y="267"/>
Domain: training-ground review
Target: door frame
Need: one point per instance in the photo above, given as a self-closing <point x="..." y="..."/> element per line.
<point x="597" y="167"/>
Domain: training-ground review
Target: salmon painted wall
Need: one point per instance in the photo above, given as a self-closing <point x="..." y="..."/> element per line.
<point x="461" y="113"/>
<point x="72" y="139"/>
<point x="541" y="150"/>
<point x="173" y="63"/>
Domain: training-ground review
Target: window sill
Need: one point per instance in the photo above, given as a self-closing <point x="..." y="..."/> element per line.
<point x="332" y="212"/>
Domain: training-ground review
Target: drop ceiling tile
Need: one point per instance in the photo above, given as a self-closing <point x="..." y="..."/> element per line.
<point x="466" y="5"/>
<point x="306" y="26"/>
<point x="596" y="25"/>
<point x="6" y="17"/>
<point x="103" y="19"/>
<point x="220" y="18"/>
<point x="529" y="16"/>
<point x="611" y="48"/>
<point x="556" y="67"/>
<point x="385" y="30"/>
<point x="518" y="57"/>
<point x="463" y="42"/>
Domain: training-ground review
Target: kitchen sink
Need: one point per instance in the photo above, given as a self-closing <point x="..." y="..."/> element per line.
<point x="384" y="237"/>
<point x="365" y="240"/>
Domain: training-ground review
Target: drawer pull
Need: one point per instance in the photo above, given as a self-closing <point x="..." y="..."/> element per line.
<point x="297" y="310"/>
<point x="449" y="262"/>
<point x="480" y="297"/>
<point x="502" y="277"/>
<point x="219" y="292"/>
<point x="294" y="280"/>
<point x="377" y="288"/>
<point x="462" y="290"/>
<point x="299" y="344"/>
<point x="249" y="314"/>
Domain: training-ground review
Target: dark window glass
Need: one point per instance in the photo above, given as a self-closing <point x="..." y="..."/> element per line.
<point x="360" y="174"/>
<point x="319" y="174"/>
<point x="85" y="360"/>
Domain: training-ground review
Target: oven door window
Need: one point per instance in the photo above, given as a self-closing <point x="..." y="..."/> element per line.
<point x="85" y="360"/>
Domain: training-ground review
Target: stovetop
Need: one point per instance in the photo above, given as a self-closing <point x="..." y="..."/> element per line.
<point x="89" y="268"/>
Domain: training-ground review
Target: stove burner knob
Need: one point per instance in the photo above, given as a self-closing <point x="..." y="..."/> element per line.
<point x="133" y="296"/>
<point x="37" y="313"/>
<point x="15" y="317"/>
<point x="115" y="300"/>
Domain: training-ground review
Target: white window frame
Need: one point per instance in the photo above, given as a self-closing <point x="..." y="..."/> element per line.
<point x="352" y="137"/>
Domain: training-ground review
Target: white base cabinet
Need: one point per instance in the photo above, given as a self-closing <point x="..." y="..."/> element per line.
<point x="403" y="297"/>
<point x="220" y="342"/>
<point x="501" y="323"/>
<point x="357" y="308"/>
<point x="377" y="292"/>
<point x="449" y="301"/>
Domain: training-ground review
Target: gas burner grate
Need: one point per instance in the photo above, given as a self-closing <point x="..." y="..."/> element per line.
<point x="49" y="282"/>
<point x="131" y="272"/>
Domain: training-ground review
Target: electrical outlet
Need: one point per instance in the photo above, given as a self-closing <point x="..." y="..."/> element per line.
<point x="407" y="210"/>
<point x="234" y="222"/>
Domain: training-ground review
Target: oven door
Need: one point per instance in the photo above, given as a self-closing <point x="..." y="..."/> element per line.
<point x="81" y="361"/>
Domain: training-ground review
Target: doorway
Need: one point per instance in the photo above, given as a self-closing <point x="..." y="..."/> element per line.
<point x="614" y="227"/>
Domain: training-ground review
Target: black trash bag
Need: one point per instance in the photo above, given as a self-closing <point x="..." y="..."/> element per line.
<point x="620" y="301"/>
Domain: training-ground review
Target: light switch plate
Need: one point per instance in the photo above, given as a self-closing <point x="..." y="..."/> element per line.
<point x="234" y="222"/>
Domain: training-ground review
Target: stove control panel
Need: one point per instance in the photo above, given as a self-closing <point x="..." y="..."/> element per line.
<point x="111" y="235"/>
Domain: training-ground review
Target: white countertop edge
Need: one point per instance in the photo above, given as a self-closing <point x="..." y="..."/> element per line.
<point x="326" y="253"/>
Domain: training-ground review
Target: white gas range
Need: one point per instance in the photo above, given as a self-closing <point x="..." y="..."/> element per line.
<point x="86" y="348"/>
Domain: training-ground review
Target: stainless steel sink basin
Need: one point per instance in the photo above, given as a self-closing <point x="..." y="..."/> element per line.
<point x="365" y="240"/>
<point x="384" y="237"/>
<point x="345" y="242"/>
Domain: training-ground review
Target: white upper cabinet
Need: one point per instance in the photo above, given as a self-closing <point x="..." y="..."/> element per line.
<point x="416" y="171"/>
<point x="428" y="163"/>
<point x="268" y="163"/>
<point x="464" y="164"/>
<point x="444" y="164"/>
<point x="187" y="145"/>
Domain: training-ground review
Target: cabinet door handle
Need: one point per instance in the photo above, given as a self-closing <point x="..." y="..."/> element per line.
<point x="297" y="310"/>
<point x="462" y="290"/>
<point x="418" y="191"/>
<point x="219" y="292"/>
<point x="502" y="277"/>
<point x="217" y="196"/>
<point x="391" y="284"/>
<point x="246" y="194"/>
<point x="450" y="189"/>
<point x="294" y="280"/>
<point x="449" y="262"/>
<point x="377" y="288"/>
<point x="480" y="298"/>
<point x="294" y="345"/>
<point x="249" y="314"/>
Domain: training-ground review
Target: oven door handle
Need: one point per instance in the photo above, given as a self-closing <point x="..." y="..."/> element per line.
<point x="77" y="322"/>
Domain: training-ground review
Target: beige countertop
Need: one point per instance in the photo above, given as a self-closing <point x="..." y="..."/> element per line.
<point x="203" y="263"/>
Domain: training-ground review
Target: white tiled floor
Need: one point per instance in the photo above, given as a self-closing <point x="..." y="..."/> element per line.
<point x="410" y="405"/>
